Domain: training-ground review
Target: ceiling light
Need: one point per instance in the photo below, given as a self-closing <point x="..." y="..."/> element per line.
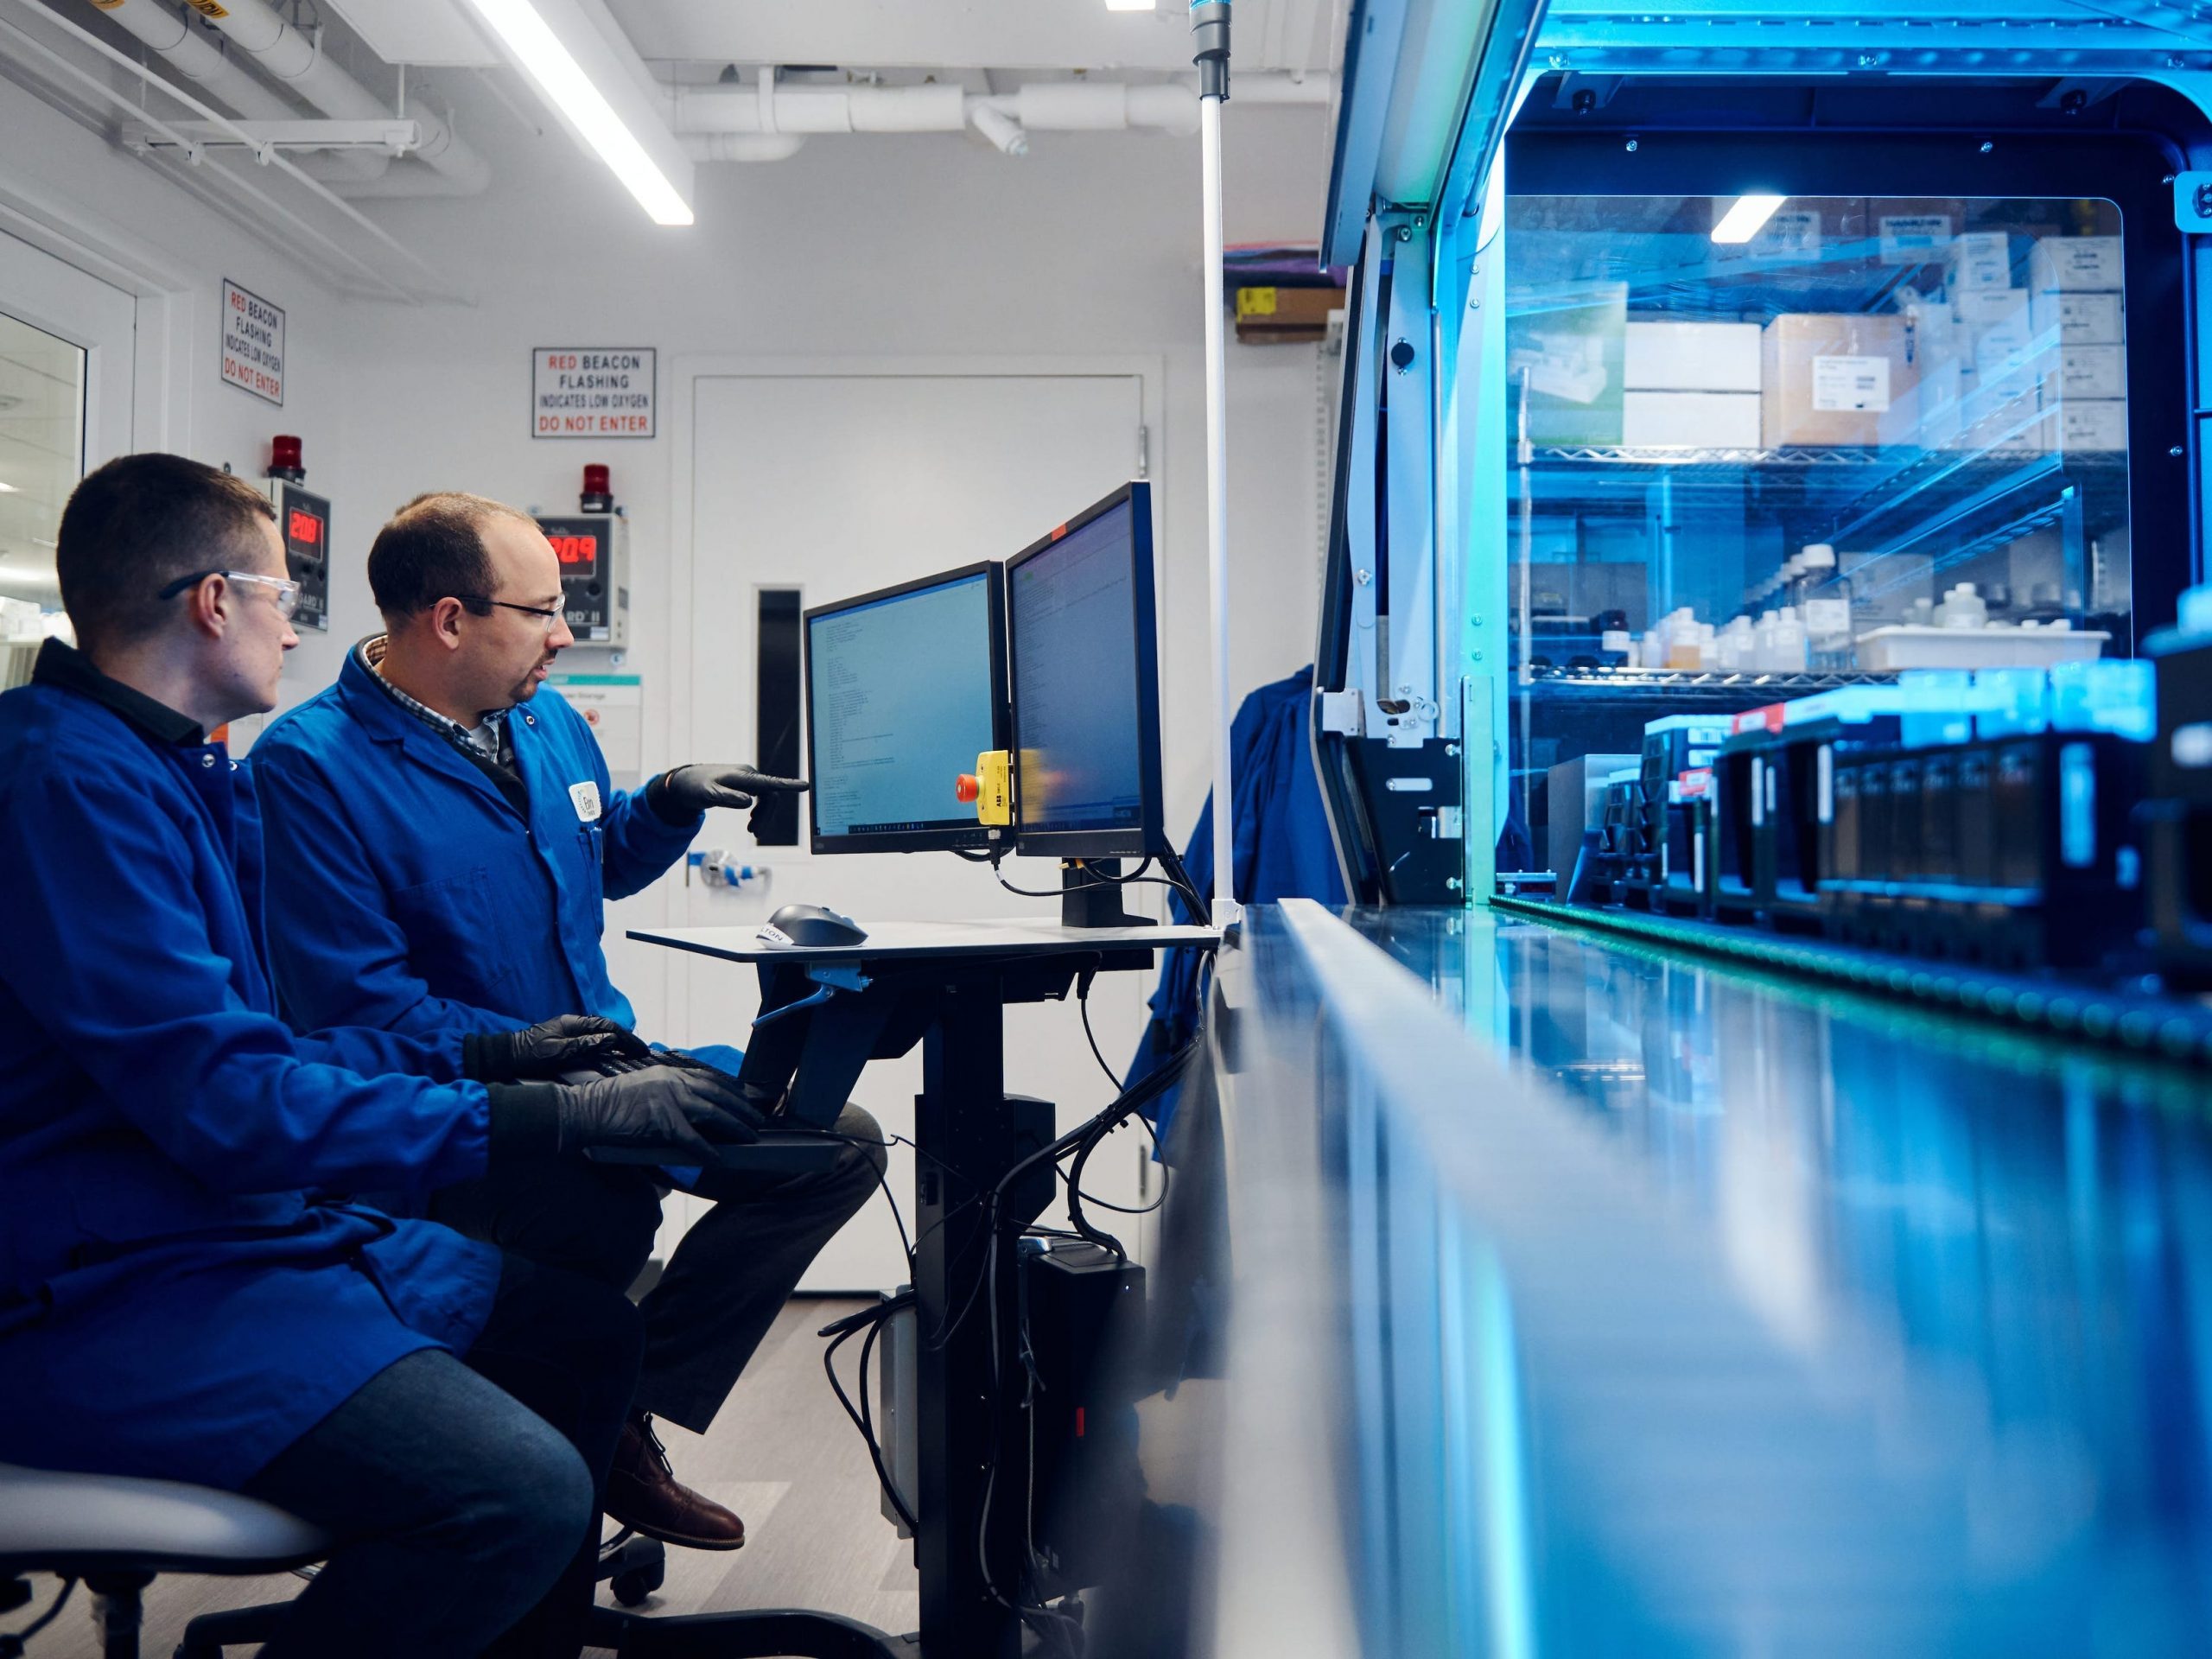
<point x="1128" y="5"/>
<point x="564" y="84"/>
<point x="1740" y="223"/>
<point x="7" y="489"/>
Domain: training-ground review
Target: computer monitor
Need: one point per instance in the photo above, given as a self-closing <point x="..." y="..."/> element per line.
<point x="1083" y="678"/>
<point x="905" y="688"/>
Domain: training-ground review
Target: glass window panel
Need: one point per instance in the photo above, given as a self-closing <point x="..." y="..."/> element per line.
<point x="1929" y="394"/>
<point x="41" y="458"/>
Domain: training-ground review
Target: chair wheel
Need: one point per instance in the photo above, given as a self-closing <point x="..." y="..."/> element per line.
<point x="633" y="1587"/>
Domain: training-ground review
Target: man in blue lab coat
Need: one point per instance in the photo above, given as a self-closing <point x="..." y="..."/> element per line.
<point x="443" y="838"/>
<point x="180" y="1294"/>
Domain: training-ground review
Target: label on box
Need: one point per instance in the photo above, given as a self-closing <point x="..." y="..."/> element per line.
<point x="2081" y="319"/>
<point x="1791" y="231"/>
<point x="2090" y="423"/>
<point x="2077" y="262"/>
<point x="1909" y="238"/>
<point x="1981" y="308"/>
<point x="1851" y="383"/>
<point x="2090" y="371"/>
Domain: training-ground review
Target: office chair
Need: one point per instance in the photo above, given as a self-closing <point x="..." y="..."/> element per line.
<point x="118" y="1534"/>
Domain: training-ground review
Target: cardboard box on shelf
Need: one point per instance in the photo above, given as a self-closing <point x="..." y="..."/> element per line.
<point x="2074" y="263"/>
<point x="1690" y="420"/>
<point x="1664" y="355"/>
<point x="2080" y="319"/>
<point x="1564" y="346"/>
<point x="1980" y="259"/>
<point x="1930" y="418"/>
<point x="2086" y="426"/>
<point x="2084" y="372"/>
<point x="1285" y="315"/>
<point x="1985" y="308"/>
<point x="1832" y="375"/>
<point x="1999" y="416"/>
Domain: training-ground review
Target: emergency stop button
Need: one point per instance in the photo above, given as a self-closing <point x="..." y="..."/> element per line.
<point x="968" y="787"/>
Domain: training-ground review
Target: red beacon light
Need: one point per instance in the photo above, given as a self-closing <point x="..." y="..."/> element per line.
<point x="598" y="491"/>
<point x="284" y="458"/>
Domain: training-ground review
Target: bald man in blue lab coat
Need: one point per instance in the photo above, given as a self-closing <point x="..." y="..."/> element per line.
<point x="183" y="1294"/>
<point x="444" y="839"/>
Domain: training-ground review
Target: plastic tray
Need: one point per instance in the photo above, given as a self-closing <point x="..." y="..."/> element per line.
<point x="1903" y="646"/>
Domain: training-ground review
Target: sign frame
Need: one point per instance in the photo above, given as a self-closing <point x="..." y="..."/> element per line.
<point x="538" y="366"/>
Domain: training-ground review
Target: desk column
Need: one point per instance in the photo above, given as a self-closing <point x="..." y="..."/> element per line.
<point x="971" y="1135"/>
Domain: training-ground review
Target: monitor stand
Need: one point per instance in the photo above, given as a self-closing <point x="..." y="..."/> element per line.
<point x="1091" y="894"/>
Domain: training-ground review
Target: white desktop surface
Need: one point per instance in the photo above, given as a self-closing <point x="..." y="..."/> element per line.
<point x="983" y="937"/>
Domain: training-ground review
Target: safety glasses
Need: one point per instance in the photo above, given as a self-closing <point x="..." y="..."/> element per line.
<point x="286" y="591"/>
<point x="545" y="618"/>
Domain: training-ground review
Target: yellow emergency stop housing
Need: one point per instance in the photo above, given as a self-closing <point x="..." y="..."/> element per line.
<point x="994" y="787"/>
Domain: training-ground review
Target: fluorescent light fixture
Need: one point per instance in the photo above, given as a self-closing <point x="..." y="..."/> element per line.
<point x="1740" y="223"/>
<point x="7" y="489"/>
<point x="1130" y="5"/>
<point x="564" y="84"/>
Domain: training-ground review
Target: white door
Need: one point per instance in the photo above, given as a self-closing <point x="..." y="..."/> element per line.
<point x="66" y="342"/>
<point x="839" y="484"/>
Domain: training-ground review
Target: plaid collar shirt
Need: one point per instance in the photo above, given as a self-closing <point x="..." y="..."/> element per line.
<point x="487" y="741"/>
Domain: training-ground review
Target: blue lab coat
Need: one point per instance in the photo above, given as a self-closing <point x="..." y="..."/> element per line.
<point x="1278" y="839"/>
<point x="174" y="1301"/>
<point x="409" y="894"/>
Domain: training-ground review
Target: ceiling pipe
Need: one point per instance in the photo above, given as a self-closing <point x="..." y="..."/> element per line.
<point x="183" y="49"/>
<point x="186" y="50"/>
<point x="289" y="56"/>
<point x="741" y="146"/>
<point x="1006" y="120"/>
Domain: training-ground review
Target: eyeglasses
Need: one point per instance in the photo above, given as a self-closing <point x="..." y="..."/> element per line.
<point x="288" y="592"/>
<point x="546" y="618"/>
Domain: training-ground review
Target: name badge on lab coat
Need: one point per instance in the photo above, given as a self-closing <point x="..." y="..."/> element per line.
<point x="585" y="796"/>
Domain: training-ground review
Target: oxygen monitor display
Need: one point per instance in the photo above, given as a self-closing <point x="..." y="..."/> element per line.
<point x="902" y="694"/>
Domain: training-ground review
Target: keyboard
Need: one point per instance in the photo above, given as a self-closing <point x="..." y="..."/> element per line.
<point x="607" y="1065"/>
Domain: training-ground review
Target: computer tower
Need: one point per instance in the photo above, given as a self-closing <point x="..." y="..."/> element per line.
<point x="1082" y="1308"/>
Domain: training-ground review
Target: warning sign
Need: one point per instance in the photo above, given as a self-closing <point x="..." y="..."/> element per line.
<point x="592" y="391"/>
<point x="253" y="343"/>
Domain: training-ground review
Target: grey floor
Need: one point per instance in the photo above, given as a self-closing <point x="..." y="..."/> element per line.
<point x="781" y="1453"/>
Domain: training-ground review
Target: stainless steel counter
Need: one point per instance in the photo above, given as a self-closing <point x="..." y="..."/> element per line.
<point x="1552" y="1297"/>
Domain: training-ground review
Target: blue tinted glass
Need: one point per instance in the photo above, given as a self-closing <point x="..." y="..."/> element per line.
<point x="899" y="692"/>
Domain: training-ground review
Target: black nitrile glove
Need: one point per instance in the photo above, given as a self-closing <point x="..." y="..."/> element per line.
<point x="682" y="795"/>
<point x="545" y="1050"/>
<point x="661" y="1106"/>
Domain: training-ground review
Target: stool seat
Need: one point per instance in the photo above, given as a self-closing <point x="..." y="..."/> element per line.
<point x="78" y="1525"/>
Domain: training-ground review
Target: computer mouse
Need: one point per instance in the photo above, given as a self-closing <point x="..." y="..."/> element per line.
<point x="811" y="924"/>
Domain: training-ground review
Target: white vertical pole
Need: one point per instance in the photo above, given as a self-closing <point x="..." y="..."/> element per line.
<point x="1224" y="839"/>
<point x="1210" y="32"/>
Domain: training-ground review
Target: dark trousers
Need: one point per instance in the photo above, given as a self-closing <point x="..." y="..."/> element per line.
<point x="726" y="1282"/>
<point x="465" y="1491"/>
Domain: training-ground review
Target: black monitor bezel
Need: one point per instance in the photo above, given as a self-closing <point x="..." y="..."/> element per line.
<point x="1147" y="837"/>
<point x="912" y="840"/>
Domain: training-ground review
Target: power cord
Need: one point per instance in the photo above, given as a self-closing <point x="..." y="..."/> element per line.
<point x="871" y="1319"/>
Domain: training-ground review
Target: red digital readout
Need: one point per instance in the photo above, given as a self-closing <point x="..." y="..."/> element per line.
<point x="303" y="529"/>
<point x="576" y="549"/>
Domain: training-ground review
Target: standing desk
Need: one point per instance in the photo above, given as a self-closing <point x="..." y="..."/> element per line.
<point x="968" y="1134"/>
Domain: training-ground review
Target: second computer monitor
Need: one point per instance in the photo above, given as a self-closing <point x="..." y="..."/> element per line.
<point x="1084" y="682"/>
<point x="904" y="690"/>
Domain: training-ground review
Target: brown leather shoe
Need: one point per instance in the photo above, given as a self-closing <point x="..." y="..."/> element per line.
<point x="644" y="1495"/>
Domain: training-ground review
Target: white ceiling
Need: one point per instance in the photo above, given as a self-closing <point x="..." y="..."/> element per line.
<point x="41" y="437"/>
<point x="1297" y="34"/>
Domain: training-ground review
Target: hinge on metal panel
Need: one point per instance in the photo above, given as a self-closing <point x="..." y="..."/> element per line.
<point x="1144" y="451"/>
